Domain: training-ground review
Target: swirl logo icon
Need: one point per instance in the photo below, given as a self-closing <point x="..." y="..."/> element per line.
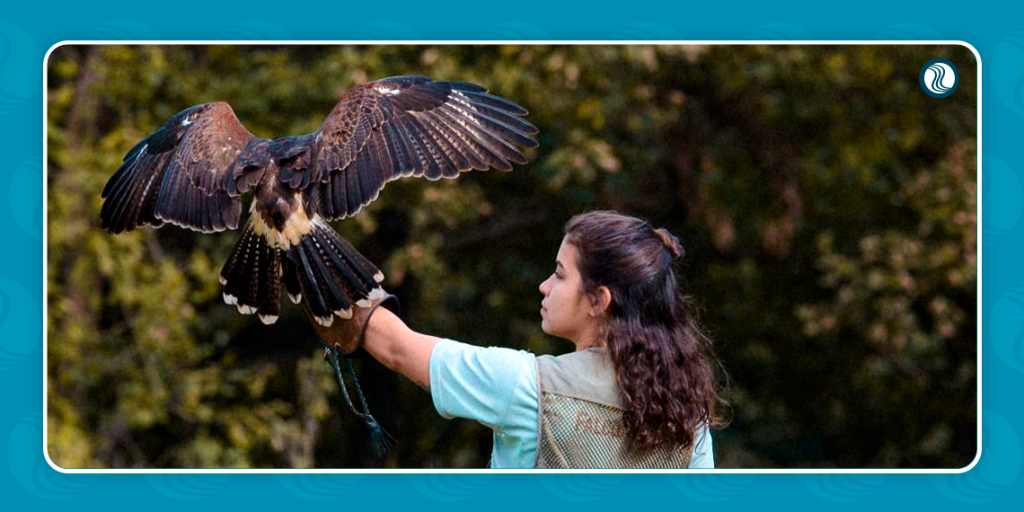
<point x="939" y="78"/>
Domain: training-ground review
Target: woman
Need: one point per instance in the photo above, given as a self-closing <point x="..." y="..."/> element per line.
<point x="638" y="392"/>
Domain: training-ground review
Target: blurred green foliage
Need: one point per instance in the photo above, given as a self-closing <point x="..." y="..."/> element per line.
<point x="826" y="203"/>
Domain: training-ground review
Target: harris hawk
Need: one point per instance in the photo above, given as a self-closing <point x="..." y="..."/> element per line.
<point x="194" y="170"/>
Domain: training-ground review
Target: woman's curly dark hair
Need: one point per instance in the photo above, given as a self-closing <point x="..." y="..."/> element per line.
<point x="664" y="366"/>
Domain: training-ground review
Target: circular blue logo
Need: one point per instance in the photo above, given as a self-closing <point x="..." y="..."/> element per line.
<point x="939" y="78"/>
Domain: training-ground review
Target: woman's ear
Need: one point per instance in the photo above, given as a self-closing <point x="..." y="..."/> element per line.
<point x="601" y="301"/>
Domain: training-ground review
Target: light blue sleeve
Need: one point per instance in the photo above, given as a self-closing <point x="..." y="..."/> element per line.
<point x="482" y="384"/>
<point x="703" y="451"/>
<point x="495" y="386"/>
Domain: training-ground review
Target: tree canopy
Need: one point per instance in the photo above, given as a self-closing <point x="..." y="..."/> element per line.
<point x="827" y="206"/>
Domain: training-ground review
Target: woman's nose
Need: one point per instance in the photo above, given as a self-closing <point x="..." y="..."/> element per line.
<point x="543" y="286"/>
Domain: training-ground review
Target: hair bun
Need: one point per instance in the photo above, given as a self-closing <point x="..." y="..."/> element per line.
<point x="670" y="242"/>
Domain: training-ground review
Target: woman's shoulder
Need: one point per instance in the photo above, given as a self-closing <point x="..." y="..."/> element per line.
<point x="481" y="383"/>
<point x="451" y="348"/>
<point x="487" y="364"/>
<point x="586" y="374"/>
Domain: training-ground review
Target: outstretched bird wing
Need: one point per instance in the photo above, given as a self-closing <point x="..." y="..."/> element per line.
<point x="183" y="174"/>
<point x="410" y="126"/>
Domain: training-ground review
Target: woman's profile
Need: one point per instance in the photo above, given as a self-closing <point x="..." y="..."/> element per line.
<point x="639" y="391"/>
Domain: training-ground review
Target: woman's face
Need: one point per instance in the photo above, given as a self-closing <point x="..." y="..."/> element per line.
<point x="565" y="310"/>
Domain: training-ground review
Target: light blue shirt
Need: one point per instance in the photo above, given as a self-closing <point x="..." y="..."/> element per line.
<point x="498" y="387"/>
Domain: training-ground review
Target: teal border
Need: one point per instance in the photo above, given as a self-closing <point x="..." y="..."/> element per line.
<point x="28" y="30"/>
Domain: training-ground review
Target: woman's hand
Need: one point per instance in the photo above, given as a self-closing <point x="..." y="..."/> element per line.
<point x="384" y="336"/>
<point x="348" y="335"/>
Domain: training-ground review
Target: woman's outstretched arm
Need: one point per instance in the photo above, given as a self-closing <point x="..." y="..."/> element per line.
<point x="398" y="347"/>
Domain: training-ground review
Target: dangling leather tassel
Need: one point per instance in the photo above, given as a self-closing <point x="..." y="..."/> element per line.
<point x="383" y="442"/>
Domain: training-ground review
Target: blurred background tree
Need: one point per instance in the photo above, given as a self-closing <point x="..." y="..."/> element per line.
<point x="826" y="203"/>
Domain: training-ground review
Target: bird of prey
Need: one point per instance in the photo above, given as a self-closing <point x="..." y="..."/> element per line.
<point x="194" y="170"/>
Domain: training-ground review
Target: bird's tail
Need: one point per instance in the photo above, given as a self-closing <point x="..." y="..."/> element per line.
<point x="329" y="274"/>
<point x="252" y="276"/>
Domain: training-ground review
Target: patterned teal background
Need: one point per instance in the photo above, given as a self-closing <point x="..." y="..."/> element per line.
<point x="28" y="30"/>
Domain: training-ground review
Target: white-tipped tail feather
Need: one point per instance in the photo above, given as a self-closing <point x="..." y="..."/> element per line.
<point x="331" y="274"/>
<point x="252" y="276"/>
<point x="318" y="268"/>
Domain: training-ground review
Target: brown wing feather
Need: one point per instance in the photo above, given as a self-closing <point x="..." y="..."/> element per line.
<point x="411" y="126"/>
<point x="183" y="174"/>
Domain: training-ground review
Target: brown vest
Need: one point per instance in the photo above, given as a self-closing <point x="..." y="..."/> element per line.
<point x="580" y="417"/>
